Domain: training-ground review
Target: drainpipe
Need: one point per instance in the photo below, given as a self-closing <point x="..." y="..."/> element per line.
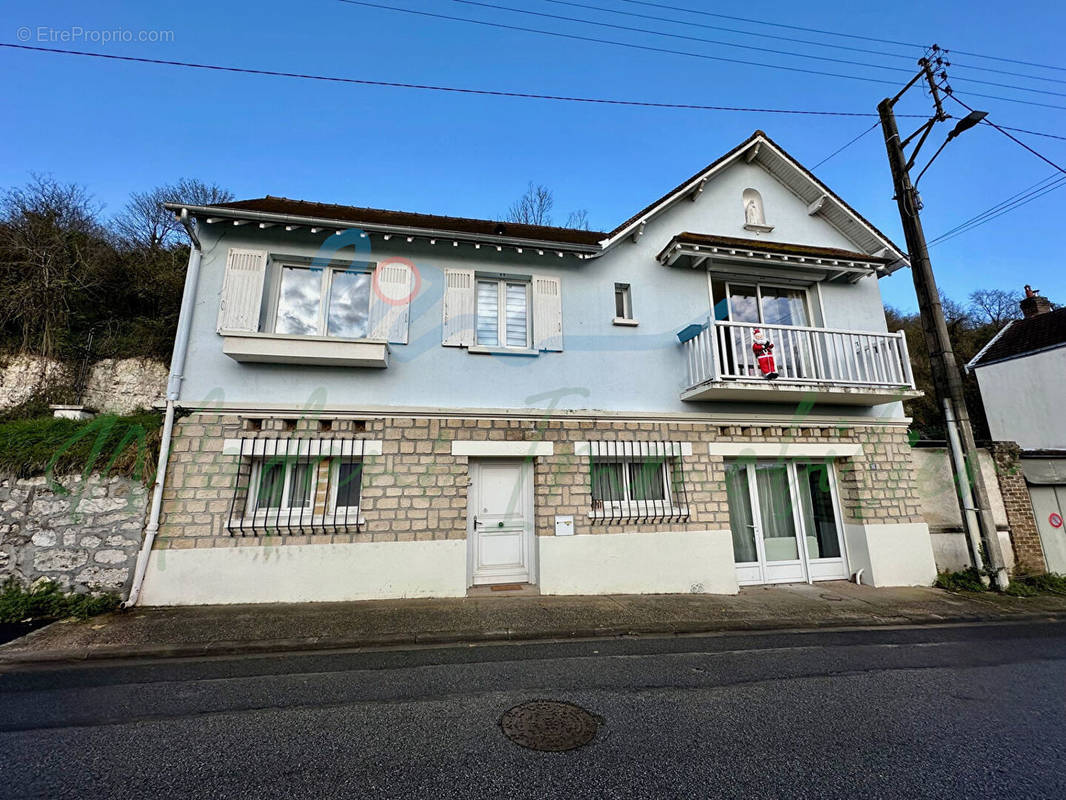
<point x="969" y="511"/>
<point x="177" y="370"/>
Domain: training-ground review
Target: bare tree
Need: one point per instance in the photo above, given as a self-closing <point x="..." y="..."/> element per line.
<point x="145" y="223"/>
<point x="51" y="249"/>
<point x="534" y="207"/>
<point x="995" y="306"/>
<point x="578" y="219"/>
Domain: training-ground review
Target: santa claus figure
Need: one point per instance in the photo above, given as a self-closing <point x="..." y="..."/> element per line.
<point x="764" y="354"/>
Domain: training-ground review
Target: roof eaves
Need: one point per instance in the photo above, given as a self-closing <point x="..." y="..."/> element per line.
<point x="327" y="222"/>
<point x="974" y="362"/>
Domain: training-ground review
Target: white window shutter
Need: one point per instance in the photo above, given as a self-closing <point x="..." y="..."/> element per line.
<point x="242" y="290"/>
<point x="459" y="308"/>
<point x="547" y="313"/>
<point x="390" y="302"/>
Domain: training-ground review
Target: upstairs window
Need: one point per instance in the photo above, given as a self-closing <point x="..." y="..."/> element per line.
<point x="331" y="301"/>
<point x="503" y="314"/>
<point x="623" y="304"/>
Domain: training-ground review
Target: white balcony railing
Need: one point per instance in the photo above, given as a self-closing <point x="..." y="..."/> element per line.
<point x="722" y="351"/>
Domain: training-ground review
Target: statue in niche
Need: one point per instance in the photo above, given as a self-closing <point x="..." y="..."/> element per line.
<point x="753" y="210"/>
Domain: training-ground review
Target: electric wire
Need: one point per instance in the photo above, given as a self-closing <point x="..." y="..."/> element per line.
<point x="1010" y="136"/>
<point x="846" y="146"/>
<point x="999" y="210"/>
<point x="440" y="88"/>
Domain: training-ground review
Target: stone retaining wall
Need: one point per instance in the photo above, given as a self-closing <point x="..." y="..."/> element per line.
<point x="117" y="386"/>
<point x="85" y="536"/>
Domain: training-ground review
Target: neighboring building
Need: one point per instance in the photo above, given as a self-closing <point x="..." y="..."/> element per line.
<point x="1022" y="377"/>
<point x="388" y="404"/>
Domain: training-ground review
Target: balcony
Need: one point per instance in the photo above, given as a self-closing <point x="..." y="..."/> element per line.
<point x="813" y="364"/>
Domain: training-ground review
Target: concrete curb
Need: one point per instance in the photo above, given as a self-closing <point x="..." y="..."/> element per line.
<point x="399" y="640"/>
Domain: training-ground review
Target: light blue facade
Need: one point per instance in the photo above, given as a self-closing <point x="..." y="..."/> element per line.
<point x="602" y="367"/>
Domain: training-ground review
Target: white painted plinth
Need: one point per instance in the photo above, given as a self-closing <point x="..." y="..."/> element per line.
<point x="891" y="555"/>
<point x="638" y="563"/>
<point x="306" y="573"/>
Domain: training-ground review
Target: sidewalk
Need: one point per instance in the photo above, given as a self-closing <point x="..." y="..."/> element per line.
<point x="229" y="630"/>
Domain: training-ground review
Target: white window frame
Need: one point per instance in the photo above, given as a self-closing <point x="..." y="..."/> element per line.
<point x="325" y="289"/>
<point x="626" y="292"/>
<point x="255" y="485"/>
<point x="334" y="486"/>
<point x="627" y="505"/>
<point x="759" y="285"/>
<point x="502" y="282"/>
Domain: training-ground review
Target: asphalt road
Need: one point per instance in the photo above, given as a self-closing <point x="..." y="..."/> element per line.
<point x="931" y="712"/>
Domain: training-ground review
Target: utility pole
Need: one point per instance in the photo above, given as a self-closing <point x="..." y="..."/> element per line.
<point x="969" y="480"/>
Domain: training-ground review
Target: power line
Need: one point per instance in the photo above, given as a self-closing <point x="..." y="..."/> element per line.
<point x="1010" y="136"/>
<point x="999" y="210"/>
<point x="813" y="43"/>
<point x="845" y="147"/>
<point x="1033" y="133"/>
<point x="691" y="24"/>
<point x="997" y="58"/>
<point x="741" y="46"/>
<point x="773" y="24"/>
<point x="438" y="88"/>
<point x="594" y="40"/>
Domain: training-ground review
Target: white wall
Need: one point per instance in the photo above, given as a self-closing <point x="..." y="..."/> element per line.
<point x="638" y="563"/>
<point x="602" y="367"/>
<point x="306" y="573"/>
<point x="1024" y="399"/>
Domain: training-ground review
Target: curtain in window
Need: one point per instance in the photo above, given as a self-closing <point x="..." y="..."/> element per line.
<point x="488" y="313"/>
<point x="783" y="307"/>
<point x="517" y="315"/>
<point x="819" y="519"/>
<point x="775" y="510"/>
<point x="646" y="480"/>
<point x="271" y="485"/>
<point x="349" y="478"/>
<point x="607" y="481"/>
<point x="741" y="520"/>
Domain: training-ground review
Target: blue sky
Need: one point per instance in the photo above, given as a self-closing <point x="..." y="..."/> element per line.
<point x="118" y="127"/>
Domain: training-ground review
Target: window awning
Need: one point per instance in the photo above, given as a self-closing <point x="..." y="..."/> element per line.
<point x="752" y="258"/>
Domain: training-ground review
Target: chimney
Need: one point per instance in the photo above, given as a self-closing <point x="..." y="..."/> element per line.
<point x="1034" y="305"/>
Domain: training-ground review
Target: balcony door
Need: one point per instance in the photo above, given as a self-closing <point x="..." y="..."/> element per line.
<point x="770" y="306"/>
<point x="784" y="521"/>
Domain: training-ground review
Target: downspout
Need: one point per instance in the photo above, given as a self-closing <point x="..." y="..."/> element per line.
<point x="177" y="374"/>
<point x="969" y="510"/>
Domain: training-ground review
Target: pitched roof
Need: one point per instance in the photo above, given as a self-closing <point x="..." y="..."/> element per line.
<point x="380" y="216"/>
<point x="757" y="147"/>
<point x="784" y="248"/>
<point x="1023" y="337"/>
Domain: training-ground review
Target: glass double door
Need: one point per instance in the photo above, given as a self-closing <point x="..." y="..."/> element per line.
<point x="784" y="521"/>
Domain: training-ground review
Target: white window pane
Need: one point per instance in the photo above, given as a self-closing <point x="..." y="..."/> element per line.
<point x="517" y="315"/>
<point x="744" y="303"/>
<point x="298" y="301"/>
<point x="349" y="304"/>
<point x="488" y="313"/>
<point x="783" y="306"/>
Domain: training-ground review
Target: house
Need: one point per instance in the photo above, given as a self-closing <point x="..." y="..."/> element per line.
<point x="376" y="404"/>
<point x="1021" y="374"/>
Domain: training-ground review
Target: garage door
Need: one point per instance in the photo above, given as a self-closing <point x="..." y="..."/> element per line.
<point x="1049" y="505"/>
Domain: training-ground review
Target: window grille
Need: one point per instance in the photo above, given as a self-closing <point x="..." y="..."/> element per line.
<point x="637" y="482"/>
<point x="297" y="486"/>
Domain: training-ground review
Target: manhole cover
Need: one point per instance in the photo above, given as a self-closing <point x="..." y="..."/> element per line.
<point x="549" y="725"/>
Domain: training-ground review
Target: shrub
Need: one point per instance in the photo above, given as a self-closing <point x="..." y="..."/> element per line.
<point x="966" y="580"/>
<point x="109" y="444"/>
<point x="46" y="600"/>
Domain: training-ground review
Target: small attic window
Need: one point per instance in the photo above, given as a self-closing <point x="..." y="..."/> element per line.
<point x="754" y="215"/>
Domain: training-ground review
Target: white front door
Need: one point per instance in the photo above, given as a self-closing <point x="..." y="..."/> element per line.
<point x="784" y="521"/>
<point x="500" y="521"/>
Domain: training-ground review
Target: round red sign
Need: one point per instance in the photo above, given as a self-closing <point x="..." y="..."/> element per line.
<point x="1055" y="520"/>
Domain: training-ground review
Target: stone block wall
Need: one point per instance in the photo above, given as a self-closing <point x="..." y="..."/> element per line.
<point x="118" y="386"/>
<point x="84" y="537"/>
<point x="417" y="490"/>
<point x="1024" y="534"/>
